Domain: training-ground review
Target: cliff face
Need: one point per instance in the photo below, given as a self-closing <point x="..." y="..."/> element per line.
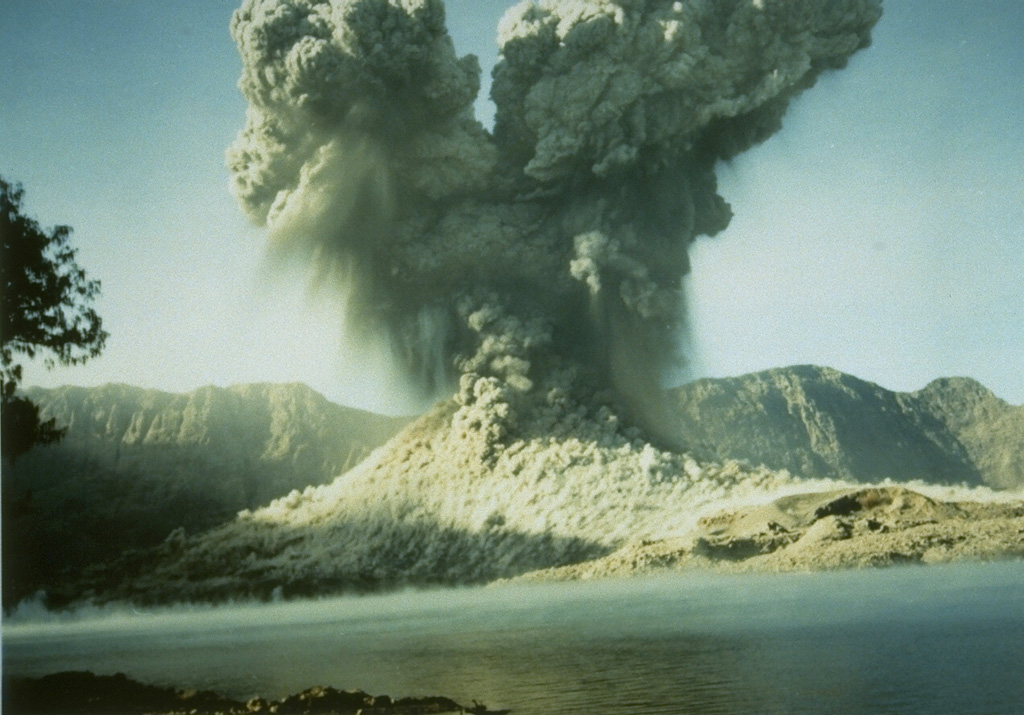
<point x="819" y="422"/>
<point x="136" y="464"/>
<point x="254" y="441"/>
<point x="990" y="430"/>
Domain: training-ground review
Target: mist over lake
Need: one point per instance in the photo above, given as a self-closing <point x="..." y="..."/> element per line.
<point x="902" y="640"/>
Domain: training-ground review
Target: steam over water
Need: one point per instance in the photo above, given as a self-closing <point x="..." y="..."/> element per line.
<point x="912" y="640"/>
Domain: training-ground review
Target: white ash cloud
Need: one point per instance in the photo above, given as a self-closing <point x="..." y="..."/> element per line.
<point x="563" y="234"/>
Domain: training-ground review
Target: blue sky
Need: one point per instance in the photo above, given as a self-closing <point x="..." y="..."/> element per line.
<point x="881" y="232"/>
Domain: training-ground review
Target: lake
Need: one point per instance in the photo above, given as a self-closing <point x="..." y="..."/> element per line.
<point x="901" y="640"/>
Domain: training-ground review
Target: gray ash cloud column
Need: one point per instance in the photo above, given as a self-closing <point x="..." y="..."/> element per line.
<point x="553" y="247"/>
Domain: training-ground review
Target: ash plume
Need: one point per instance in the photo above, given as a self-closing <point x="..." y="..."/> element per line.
<point x="549" y="250"/>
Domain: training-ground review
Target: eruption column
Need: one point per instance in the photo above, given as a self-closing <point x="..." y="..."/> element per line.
<point x="552" y="248"/>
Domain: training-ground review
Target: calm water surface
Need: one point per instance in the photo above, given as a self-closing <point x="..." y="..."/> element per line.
<point x="908" y="640"/>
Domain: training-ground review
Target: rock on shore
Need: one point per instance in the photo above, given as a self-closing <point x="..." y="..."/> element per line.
<point x="84" y="692"/>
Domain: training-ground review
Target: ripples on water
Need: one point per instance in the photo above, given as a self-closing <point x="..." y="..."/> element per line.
<point x="910" y="640"/>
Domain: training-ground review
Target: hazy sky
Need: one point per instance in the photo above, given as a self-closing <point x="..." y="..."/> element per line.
<point x="880" y="232"/>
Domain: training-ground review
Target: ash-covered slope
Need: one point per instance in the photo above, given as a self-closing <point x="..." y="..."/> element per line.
<point x="850" y="528"/>
<point x="816" y="421"/>
<point x="475" y="490"/>
<point x="136" y="464"/>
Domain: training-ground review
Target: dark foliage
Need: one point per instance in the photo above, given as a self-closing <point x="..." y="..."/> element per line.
<point x="22" y="427"/>
<point x="45" y="309"/>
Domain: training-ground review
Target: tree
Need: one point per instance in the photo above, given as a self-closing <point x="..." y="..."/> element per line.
<point x="45" y="309"/>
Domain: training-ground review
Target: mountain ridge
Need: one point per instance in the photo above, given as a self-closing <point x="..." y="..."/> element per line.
<point x="816" y="422"/>
<point x="139" y="463"/>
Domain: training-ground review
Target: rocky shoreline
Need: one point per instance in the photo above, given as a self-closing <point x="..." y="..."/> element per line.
<point x="83" y="692"/>
<point x="851" y="528"/>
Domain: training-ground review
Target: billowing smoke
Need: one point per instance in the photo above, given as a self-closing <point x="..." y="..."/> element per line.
<point x="552" y="248"/>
